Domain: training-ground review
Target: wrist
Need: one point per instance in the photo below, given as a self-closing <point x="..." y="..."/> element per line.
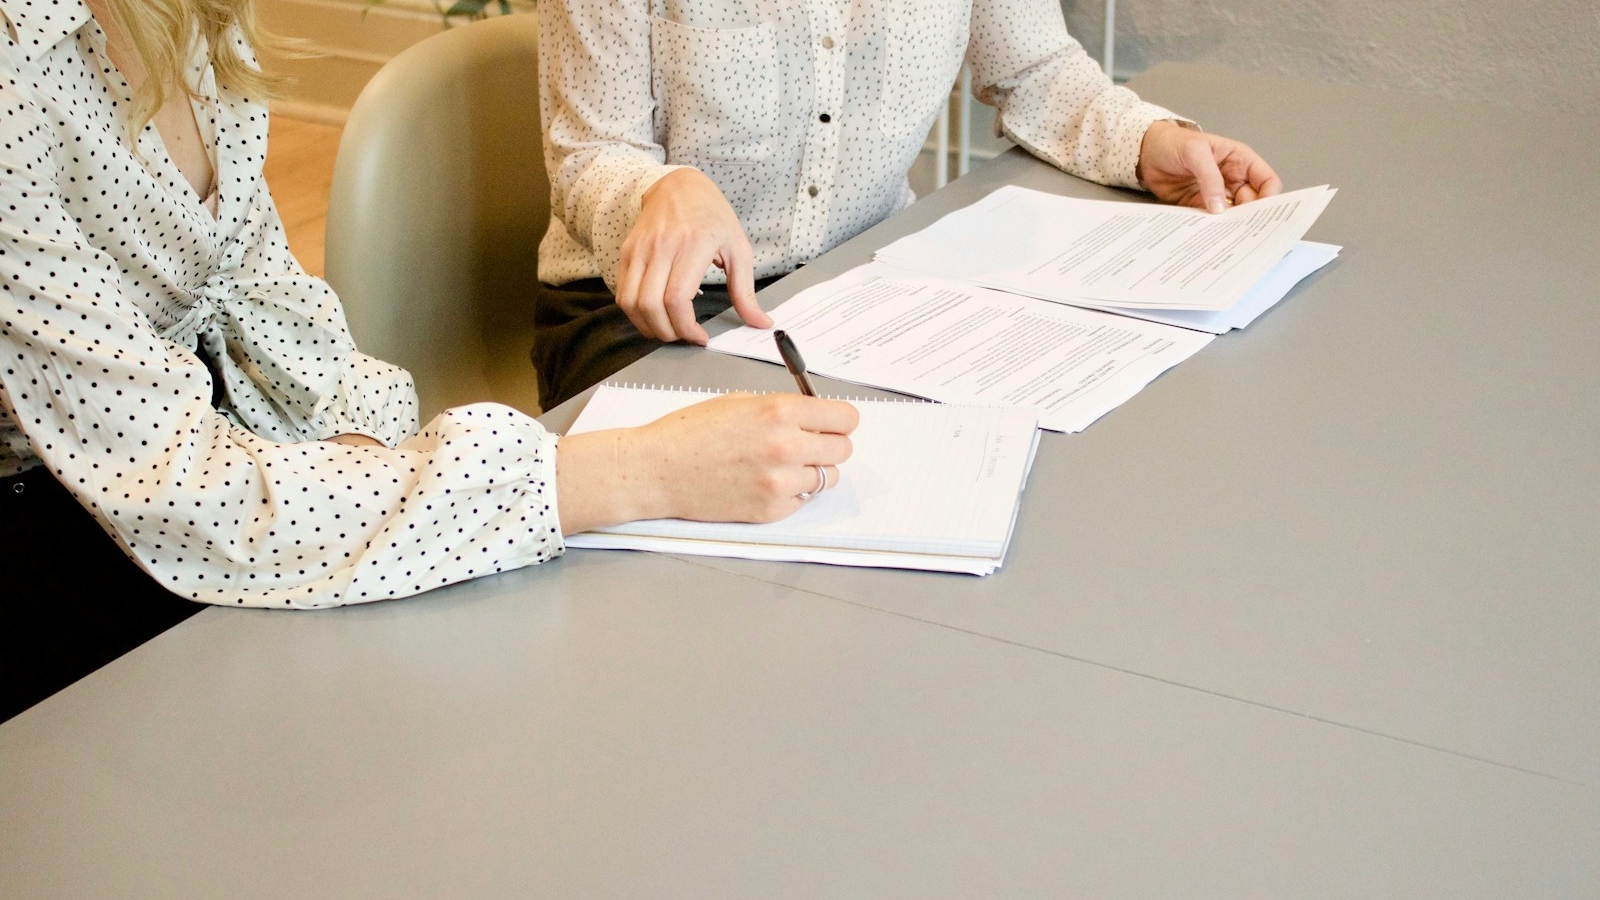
<point x="647" y="182"/>
<point x="668" y="181"/>
<point x="1155" y="130"/>
<point x="591" y="487"/>
<point x="354" y="439"/>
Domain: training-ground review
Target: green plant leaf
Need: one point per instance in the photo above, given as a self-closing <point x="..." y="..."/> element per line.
<point x="472" y="9"/>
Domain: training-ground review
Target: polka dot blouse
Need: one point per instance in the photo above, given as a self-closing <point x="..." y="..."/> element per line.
<point x="806" y="113"/>
<point x="177" y="370"/>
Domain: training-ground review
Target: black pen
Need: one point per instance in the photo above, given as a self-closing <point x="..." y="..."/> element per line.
<point x="793" y="362"/>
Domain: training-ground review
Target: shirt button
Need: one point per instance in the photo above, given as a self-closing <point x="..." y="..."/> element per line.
<point x="813" y="190"/>
<point x="827" y="43"/>
<point x="825" y="118"/>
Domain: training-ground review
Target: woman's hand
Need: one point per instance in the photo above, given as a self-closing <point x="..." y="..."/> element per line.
<point x="685" y="226"/>
<point x="1192" y="168"/>
<point x="734" y="458"/>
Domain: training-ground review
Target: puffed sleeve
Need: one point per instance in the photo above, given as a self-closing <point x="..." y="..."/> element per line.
<point x="599" y="144"/>
<point x="123" y="417"/>
<point x="1054" y="99"/>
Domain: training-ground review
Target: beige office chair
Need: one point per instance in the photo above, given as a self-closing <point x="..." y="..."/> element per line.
<point x="439" y="200"/>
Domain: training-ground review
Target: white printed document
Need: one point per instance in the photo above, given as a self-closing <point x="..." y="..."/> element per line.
<point x="1303" y="258"/>
<point x="958" y="343"/>
<point x="927" y="486"/>
<point x="1106" y="254"/>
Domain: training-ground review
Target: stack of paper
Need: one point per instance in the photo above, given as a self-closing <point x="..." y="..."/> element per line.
<point x="927" y="486"/>
<point x="958" y="343"/>
<point x="1031" y="299"/>
<point x="1167" y="264"/>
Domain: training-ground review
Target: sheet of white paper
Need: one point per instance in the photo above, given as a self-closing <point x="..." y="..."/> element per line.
<point x="961" y="565"/>
<point x="1303" y="258"/>
<point x="1111" y="253"/>
<point x="957" y="343"/>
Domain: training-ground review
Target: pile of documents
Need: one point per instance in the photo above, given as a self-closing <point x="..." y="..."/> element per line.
<point x="1065" y="306"/>
<point x="1167" y="264"/>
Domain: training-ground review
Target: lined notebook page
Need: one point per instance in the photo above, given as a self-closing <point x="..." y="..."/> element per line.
<point x="924" y="479"/>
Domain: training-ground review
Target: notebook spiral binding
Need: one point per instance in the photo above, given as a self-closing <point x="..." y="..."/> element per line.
<point x="717" y="392"/>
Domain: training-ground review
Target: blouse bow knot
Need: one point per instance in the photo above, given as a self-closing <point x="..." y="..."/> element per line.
<point x="295" y="357"/>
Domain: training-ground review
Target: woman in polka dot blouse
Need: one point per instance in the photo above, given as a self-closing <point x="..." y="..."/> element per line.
<point x="170" y="377"/>
<point x="698" y="147"/>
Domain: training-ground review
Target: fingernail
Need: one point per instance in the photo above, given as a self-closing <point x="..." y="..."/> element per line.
<point x="1215" y="205"/>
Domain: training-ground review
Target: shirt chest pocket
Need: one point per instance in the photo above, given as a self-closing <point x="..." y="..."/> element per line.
<point x="716" y="91"/>
<point x="923" y="47"/>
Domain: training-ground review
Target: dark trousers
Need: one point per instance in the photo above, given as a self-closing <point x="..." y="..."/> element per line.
<point x="71" y="600"/>
<point x="581" y="336"/>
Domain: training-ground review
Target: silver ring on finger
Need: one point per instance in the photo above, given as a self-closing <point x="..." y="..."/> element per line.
<point x="822" y="484"/>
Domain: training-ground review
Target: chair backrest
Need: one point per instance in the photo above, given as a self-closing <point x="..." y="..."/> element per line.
<point x="438" y="204"/>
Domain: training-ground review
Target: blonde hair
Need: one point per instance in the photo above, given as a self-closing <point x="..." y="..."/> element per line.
<point x="163" y="33"/>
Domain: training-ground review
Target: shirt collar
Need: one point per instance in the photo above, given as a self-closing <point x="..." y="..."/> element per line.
<point x="42" y="24"/>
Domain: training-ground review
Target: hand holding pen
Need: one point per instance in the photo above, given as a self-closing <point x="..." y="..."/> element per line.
<point x="733" y="458"/>
<point x="797" y="367"/>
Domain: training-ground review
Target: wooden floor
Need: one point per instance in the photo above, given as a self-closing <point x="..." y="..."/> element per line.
<point x="299" y="170"/>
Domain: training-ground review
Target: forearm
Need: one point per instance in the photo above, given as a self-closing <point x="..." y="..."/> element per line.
<point x="1054" y="99"/>
<point x="599" y="143"/>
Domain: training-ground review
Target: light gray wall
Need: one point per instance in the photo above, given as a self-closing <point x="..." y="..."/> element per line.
<point x="1528" y="52"/>
<point x="1525" y="52"/>
<point x="1543" y="53"/>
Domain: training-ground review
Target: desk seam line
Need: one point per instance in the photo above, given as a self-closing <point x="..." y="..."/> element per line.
<point x="1166" y="681"/>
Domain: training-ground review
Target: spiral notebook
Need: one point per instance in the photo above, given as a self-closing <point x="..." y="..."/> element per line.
<point x="927" y="486"/>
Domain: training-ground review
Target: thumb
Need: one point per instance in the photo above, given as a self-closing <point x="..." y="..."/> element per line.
<point x="742" y="291"/>
<point x="1207" y="177"/>
<point x="744" y="303"/>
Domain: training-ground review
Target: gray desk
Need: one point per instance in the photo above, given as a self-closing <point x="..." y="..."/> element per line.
<point x="1380" y="505"/>
<point x="1313" y="616"/>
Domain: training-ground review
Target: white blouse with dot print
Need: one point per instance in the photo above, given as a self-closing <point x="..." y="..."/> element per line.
<point x="806" y="113"/>
<point x="113" y="273"/>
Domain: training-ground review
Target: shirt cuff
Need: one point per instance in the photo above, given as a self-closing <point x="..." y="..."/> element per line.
<point x="374" y="399"/>
<point x="544" y="472"/>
